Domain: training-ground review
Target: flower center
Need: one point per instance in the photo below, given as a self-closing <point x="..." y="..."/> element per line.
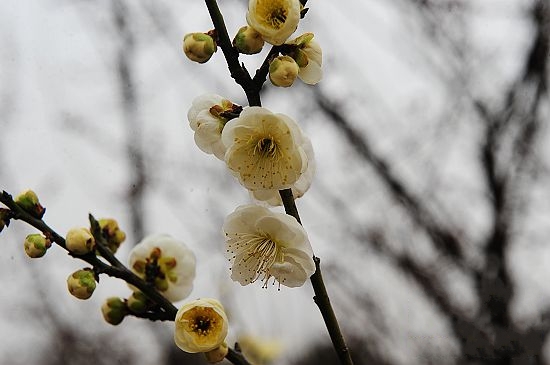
<point x="202" y="321"/>
<point x="266" y="147"/>
<point x="274" y="13"/>
<point x="256" y="255"/>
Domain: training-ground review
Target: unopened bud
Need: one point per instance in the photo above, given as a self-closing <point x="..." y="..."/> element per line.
<point x="81" y="283"/>
<point x="28" y="201"/>
<point x="283" y="70"/>
<point x="112" y="233"/>
<point x="218" y="354"/>
<point x="36" y="245"/>
<point x="248" y="41"/>
<point x="199" y="47"/>
<point x="79" y="241"/>
<point x="137" y="302"/>
<point x="114" y="310"/>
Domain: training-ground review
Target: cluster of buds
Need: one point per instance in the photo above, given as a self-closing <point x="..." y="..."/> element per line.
<point x="272" y="22"/>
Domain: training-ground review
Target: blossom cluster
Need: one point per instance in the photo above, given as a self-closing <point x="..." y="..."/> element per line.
<point x="267" y="152"/>
<point x="273" y="22"/>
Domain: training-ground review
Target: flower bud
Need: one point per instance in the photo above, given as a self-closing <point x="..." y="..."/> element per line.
<point x="248" y="40"/>
<point x="79" y="241"/>
<point x="36" y="245"/>
<point x="218" y="354"/>
<point x="137" y="302"/>
<point x="283" y="70"/>
<point x="81" y="283"/>
<point x="199" y="47"/>
<point x="28" y="201"/>
<point x="114" y="310"/>
<point x="112" y="233"/>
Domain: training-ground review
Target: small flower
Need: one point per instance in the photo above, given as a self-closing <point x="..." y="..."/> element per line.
<point x="166" y="263"/>
<point x="207" y="117"/>
<point x="36" y="245"/>
<point x="262" y="244"/>
<point x="263" y="149"/>
<point x="259" y="351"/>
<point x="201" y="326"/>
<point x="300" y="187"/>
<point x="28" y="201"/>
<point x="283" y="70"/>
<point x="275" y="20"/>
<point x="248" y="41"/>
<point x="112" y="233"/>
<point x="114" y="310"/>
<point x="79" y="241"/>
<point x="308" y="55"/>
<point x="199" y="47"/>
<point x="81" y="283"/>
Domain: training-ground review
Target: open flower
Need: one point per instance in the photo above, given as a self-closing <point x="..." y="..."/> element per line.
<point x="262" y="244"/>
<point x="309" y="57"/>
<point x="207" y="117"/>
<point x="264" y="149"/>
<point x="201" y="326"/>
<point x="300" y="187"/>
<point x="275" y="20"/>
<point x="166" y="263"/>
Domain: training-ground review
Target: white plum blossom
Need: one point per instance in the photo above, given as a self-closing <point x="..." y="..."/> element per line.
<point x="275" y="20"/>
<point x="309" y="57"/>
<point x="207" y="120"/>
<point x="300" y="187"/>
<point x="262" y="244"/>
<point x="264" y="150"/>
<point x="200" y="326"/>
<point x="165" y="262"/>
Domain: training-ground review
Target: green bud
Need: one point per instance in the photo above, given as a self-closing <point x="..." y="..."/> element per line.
<point x="114" y="310"/>
<point x="137" y="302"/>
<point x="36" y="245"/>
<point x="79" y="241"/>
<point x="112" y="233"/>
<point x="28" y="201"/>
<point x="199" y="47"/>
<point x="248" y="41"/>
<point x="81" y="283"/>
<point x="283" y="70"/>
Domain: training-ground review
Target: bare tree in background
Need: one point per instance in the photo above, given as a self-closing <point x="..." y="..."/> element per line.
<point x="510" y="164"/>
